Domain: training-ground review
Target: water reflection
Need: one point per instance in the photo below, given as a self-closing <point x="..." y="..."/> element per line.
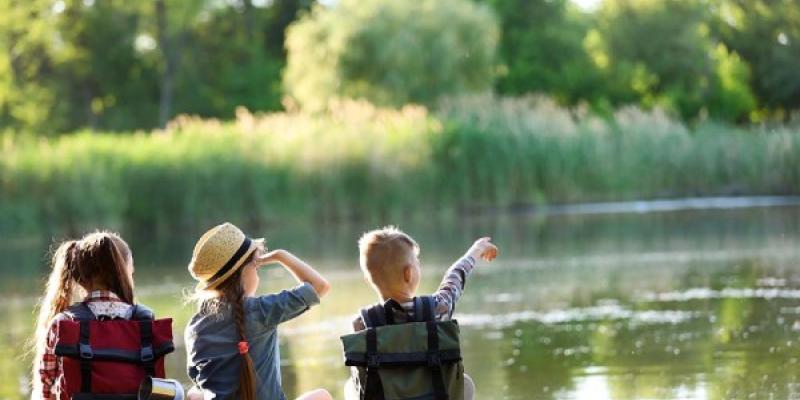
<point x="680" y="305"/>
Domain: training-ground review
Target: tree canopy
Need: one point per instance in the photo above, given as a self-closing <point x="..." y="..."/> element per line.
<point x="117" y="65"/>
<point x="390" y="52"/>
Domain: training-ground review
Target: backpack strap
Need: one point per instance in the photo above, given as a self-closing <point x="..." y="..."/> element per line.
<point x="374" y="386"/>
<point x="80" y="312"/>
<point x="374" y="316"/>
<point x="146" y="353"/>
<point x="145" y="316"/>
<point x="435" y="362"/>
<point x="418" y="307"/>
<point x="86" y="354"/>
<point x="142" y="313"/>
<point x="424" y="309"/>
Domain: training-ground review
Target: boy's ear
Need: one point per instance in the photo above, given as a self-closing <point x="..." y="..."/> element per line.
<point x="407" y="273"/>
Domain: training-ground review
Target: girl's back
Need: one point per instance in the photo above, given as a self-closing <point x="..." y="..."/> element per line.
<point x="231" y="343"/>
<point x="212" y="341"/>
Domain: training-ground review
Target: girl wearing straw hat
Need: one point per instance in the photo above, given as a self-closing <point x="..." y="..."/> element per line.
<point x="231" y="342"/>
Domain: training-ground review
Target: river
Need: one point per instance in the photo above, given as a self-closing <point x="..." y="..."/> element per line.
<point x="695" y="304"/>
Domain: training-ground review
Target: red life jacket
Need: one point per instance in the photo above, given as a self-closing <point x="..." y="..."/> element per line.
<point x="109" y="359"/>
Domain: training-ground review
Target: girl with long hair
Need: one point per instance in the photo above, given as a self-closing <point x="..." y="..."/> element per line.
<point x="231" y="342"/>
<point x="97" y="267"/>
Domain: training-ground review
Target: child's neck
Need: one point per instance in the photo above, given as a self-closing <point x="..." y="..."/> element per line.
<point x="398" y="296"/>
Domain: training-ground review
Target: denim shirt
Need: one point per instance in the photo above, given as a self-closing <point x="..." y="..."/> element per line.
<point x="213" y="358"/>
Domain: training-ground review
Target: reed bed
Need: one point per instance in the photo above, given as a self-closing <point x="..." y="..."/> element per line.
<point x="357" y="161"/>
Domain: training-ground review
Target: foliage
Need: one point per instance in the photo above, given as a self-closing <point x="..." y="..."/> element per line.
<point x="363" y="162"/>
<point x="767" y="36"/>
<point x="541" y="49"/>
<point x="390" y="52"/>
<point x="70" y="64"/>
<point x="116" y="66"/>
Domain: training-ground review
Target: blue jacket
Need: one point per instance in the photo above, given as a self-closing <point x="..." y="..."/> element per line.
<point x="213" y="358"/>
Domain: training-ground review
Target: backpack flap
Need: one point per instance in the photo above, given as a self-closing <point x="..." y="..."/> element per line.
<point x="404" y="362"/>
<point x="112" y="356"/>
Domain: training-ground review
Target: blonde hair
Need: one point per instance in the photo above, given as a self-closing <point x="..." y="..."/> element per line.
<point x="97" y="258"/>
<point x="384" y="253"/>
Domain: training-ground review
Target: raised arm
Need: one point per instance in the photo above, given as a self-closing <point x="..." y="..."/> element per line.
<point x="455" y="278"/>
<point x="299" y="269"/>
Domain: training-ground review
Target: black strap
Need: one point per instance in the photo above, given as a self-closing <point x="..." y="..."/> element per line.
<point x="404" y="359"/>
<point x="373" y="387"/>
<point x="116" y="355"/>
<point x="92" y="396"/>
<point x="435" y="362"/>
<point x="418" y="313"/>
<point x="428" y="306"/>
<point x="141" y="313"/>
<point x="86" y="356"/>
<point x="233" y="260"/>
<point x="147" y="355"/>
<point x="374" y="316"/>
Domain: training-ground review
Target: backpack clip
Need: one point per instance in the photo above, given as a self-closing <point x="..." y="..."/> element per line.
<point x="373" y="360"/>
<point x="85" y="351"/>
<point x="146" y="354"/>
<point x="434" y="360"/>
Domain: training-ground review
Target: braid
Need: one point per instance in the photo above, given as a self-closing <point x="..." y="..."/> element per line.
<point x="247" y="373"/>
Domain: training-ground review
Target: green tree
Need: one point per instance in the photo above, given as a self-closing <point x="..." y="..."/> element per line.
<point x="766" y="33"/>
<point x="655" y="52"/>
<point x="235" y="57"/>
<point x="72" y="64"/>
<point x="108" y="84"/>
<point x="541" y="48"/>
<point x="27" y="78"/>
<point x="390" y="52"/>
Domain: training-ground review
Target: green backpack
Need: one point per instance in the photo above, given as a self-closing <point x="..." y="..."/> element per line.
<point x="416" y="360"/>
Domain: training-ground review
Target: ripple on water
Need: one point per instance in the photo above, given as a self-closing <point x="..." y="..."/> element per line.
<point x="708" y="293"/>
<point x="581" y="314"/>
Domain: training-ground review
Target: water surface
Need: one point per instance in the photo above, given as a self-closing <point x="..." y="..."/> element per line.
<point x="685" y="304"/>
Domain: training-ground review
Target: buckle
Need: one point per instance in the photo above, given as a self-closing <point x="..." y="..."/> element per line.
<point x="373" y="360"/>
<point x="434" y="360"/>
<point x="85" y="351"/>
<point x="146" y="354"/>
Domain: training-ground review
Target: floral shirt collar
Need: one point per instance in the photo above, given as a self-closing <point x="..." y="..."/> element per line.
<point x="107" y="303"/>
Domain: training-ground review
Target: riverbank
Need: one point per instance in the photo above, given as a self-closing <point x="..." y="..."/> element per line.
<point x="358" y="162"/>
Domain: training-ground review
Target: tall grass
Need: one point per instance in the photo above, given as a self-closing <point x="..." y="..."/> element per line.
<point x="357" y="161"/>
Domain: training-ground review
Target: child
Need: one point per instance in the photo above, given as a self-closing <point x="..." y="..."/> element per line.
<point x="231" y="343"/>
<point x="101" y="265"/>
<point x="389" y="259"/>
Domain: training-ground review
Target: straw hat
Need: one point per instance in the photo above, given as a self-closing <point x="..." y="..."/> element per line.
<point x="219" y="253"/>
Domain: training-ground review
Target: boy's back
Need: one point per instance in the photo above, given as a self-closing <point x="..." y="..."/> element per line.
<point x="389" y="259"/>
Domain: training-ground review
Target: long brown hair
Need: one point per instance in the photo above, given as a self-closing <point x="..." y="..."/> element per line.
<point x="97" y="260"/>
<point x="231" y="292"/>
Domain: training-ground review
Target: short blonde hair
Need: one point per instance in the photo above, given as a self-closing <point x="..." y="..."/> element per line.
<point x="383" y="254"/>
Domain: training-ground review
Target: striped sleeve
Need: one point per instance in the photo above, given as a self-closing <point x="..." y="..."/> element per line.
<point x="452" y="287"/>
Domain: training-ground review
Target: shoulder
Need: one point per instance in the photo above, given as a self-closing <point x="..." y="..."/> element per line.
<point x="141" y="311"/>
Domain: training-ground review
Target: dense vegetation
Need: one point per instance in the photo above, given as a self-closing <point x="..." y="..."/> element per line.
<point x="634" y="99"/>
<point x="358" y="161"/>
<point x="123" y="65"/>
